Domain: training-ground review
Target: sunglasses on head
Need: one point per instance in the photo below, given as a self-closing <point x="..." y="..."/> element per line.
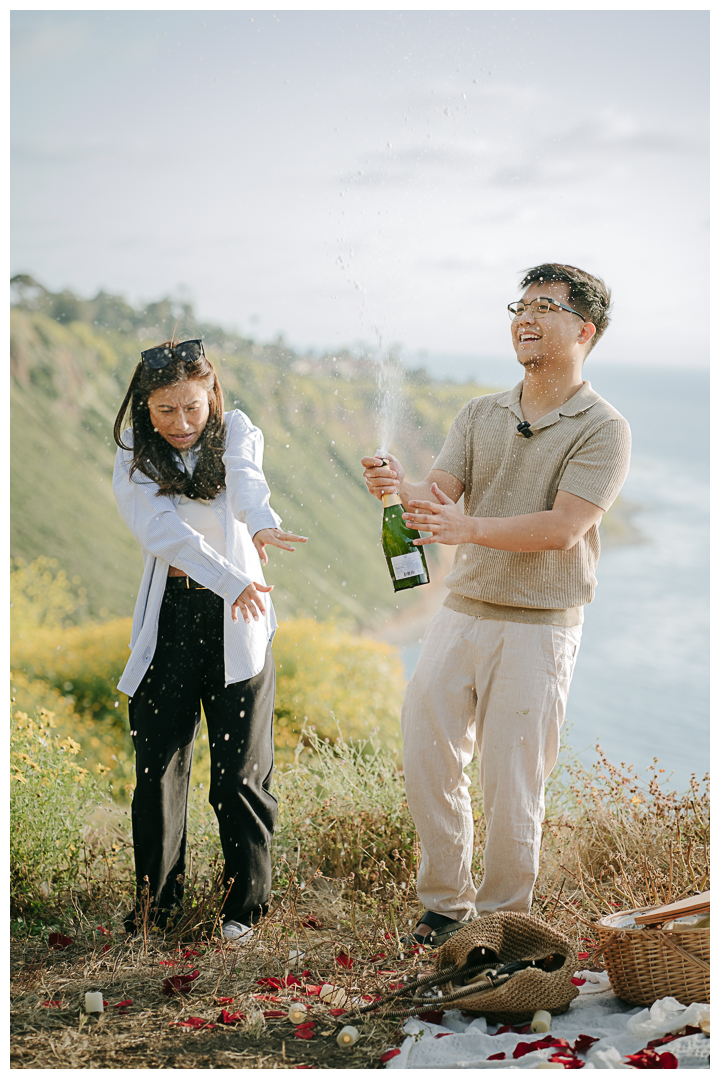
<point x="161" y="355"/>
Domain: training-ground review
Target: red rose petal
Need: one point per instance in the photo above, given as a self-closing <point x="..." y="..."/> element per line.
<point x="312" y="923"/>
<point x="650" y="1059"/>
<point x="567" y="1062"/>
<point x="313" y="991"/>
<point x="442" y="1034"/>
<point x="389" y="1053"/>
<point x="59" y="941"/>
<point x="305" y="1033"/>
<point x="274" y="1014"/>
<point x="224" y="1001"/>
<point x="524" y="1048"/>
<point x="122" y="1004"/>
<point x="226" y="1017"/>
<point x="336" y="1012"/>
<point x="583" y="956"/>
<point x="344" y="960"/>
<point x="52" y="1004"/>
<point x="578" y="982"/>
<point x="180" y="984"/>
<point x="433" y="1016"/>
<point x="193" y="1022"/>
<point x="583" y="1043"/>
<point x="674" y="1035"/>
<point x="496" y="1057"/>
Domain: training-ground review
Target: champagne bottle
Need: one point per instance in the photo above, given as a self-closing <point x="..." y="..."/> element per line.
<point x="406" y="562"/>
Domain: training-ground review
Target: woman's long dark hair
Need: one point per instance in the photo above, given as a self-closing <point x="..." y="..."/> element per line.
<point x="153" y="456"/>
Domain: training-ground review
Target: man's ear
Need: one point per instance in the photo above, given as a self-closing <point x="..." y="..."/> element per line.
<point x="587" y="333"/>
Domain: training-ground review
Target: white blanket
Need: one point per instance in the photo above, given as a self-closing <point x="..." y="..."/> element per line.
<point x="619" y="1028"/>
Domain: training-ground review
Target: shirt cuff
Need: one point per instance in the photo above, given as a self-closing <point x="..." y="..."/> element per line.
<point x="228" y="585"/>
<point x="264" y="518"/>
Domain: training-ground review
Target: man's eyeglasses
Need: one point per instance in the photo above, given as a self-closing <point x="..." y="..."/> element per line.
<point x="539" y="308"/>
<point x="161" y="355"/>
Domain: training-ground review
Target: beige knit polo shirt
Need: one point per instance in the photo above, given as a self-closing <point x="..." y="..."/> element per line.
<point x="582" y="448"/>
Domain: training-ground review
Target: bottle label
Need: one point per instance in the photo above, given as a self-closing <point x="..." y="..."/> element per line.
<point x="405" y="566"/>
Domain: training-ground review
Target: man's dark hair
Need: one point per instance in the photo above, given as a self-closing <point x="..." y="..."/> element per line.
<point x="590" y="295"/>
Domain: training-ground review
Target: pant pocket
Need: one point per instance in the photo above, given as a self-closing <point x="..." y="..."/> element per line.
<point x="566" y="643"/>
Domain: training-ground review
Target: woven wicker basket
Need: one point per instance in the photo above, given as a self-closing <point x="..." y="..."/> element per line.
<point x="645" y="964"/>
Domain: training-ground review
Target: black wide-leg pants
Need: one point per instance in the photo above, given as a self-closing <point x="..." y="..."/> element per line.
<point x="187" y="669"/>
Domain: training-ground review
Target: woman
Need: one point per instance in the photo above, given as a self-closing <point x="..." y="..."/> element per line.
<point x="189" y="485"/>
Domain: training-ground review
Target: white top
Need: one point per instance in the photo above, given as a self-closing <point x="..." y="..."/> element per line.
<point x="198" y="513"/>
<point x="200" y="516"/>
<point x="241" y="510"/>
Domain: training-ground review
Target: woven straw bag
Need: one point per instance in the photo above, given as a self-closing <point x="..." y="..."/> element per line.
<point x="513" y="937"/>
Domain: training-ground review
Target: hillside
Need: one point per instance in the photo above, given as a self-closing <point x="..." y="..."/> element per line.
<point x="71" y="360"/>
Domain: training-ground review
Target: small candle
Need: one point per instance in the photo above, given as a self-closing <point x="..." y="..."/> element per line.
<point x="347" y="1036"/>
<point x="297" y="1013"/>
<point x="94" y="1002"/>
<point x="540" y="1022"/>
<point x="333" y="995"/>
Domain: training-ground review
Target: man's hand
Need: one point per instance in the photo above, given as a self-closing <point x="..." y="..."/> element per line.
<point x="444" y="520"/>
<point x="277" y="538"/>
<point x="382" y="479"/>
<point x="250" y="602"/>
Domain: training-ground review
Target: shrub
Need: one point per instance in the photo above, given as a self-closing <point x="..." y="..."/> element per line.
<point x="343" y="814"/>
<point x="324" y="671"/>
<point x="40" y="595"/>
<point x="53" y="800"/>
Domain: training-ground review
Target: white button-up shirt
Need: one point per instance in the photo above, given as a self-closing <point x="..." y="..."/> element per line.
<point x="243" y="508"/>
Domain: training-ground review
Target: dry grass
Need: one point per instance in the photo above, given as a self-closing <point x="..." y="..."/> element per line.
<point x="345" y="857"/>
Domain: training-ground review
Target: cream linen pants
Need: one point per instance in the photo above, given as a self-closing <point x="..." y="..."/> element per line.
<point x="502" y="685"/>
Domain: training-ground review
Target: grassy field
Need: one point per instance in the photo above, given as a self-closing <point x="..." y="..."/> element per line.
<point x="345" y="862"/>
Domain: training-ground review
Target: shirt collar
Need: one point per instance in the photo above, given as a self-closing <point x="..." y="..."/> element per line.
<point x="584" y="399"/>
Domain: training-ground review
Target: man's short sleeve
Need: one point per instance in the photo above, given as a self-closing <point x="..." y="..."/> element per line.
<point x="597" y="470"/>
<point x="453" y="456"/>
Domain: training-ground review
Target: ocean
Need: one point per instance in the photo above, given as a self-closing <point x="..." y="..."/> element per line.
<point x="641" y="683"/>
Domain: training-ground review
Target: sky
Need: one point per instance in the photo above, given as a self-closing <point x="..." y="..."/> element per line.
<point x="369" y="176"/>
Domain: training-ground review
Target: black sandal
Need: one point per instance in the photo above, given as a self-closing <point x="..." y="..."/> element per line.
<point x="441" y="929"/>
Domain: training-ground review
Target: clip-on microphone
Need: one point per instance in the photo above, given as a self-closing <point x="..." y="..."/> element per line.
<point x="524" y="429"/>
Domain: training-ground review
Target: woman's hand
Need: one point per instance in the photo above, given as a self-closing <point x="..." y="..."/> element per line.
<point x="277" y="538"/>
<point x="444" y="520"/>
<point x="382" y="479"/>
<point x="250" y="602"/>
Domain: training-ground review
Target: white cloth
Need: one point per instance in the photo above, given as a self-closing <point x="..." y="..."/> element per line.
<point x="619" y="1028"/>
<point x="242" y="509"/>
<point x="502" y="686"/>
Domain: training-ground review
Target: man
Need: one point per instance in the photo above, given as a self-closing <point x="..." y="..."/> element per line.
<point x="537" y="466"/>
